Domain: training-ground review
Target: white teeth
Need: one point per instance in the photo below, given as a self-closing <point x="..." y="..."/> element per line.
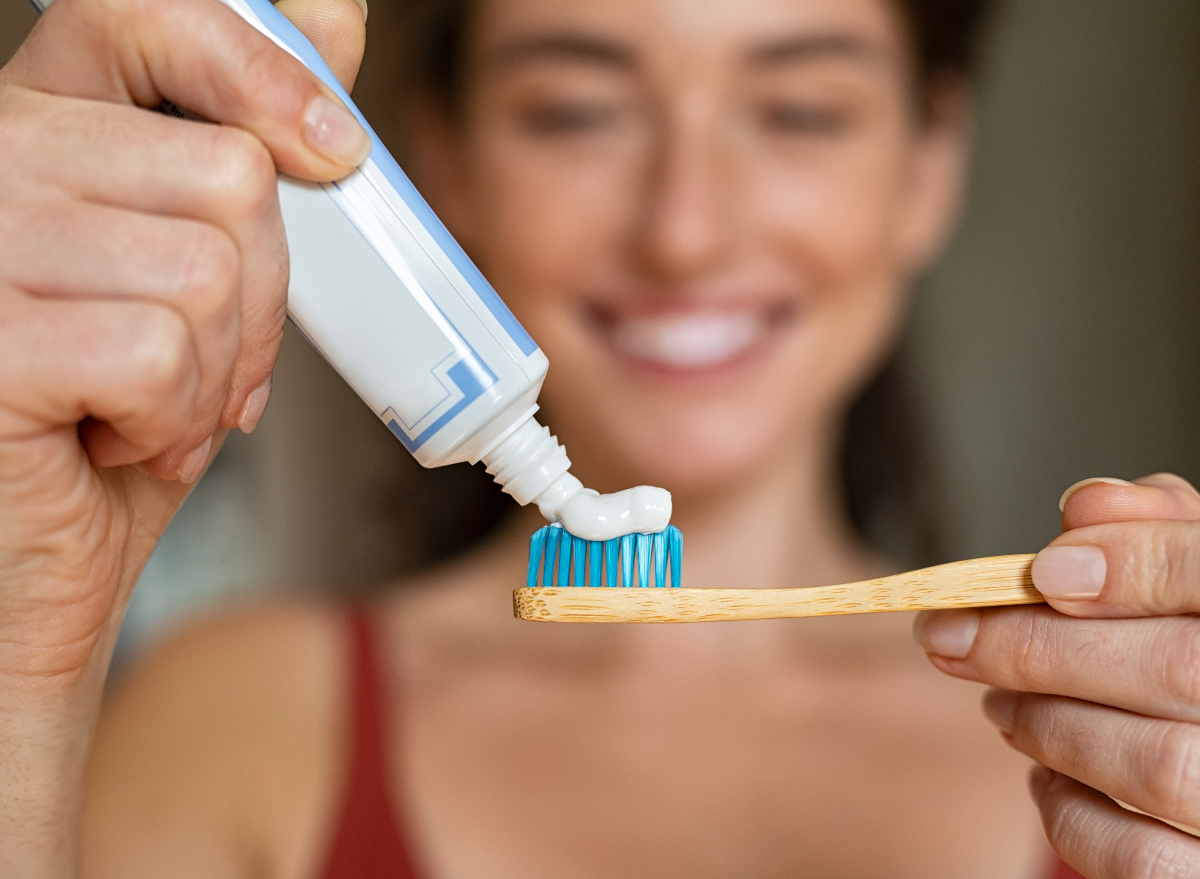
<point x="688" y="341"/>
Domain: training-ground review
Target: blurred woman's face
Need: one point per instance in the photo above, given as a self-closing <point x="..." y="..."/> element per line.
<point x="706" y="213"/>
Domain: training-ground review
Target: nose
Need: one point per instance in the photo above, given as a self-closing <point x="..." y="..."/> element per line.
<point x="685" y="222"/>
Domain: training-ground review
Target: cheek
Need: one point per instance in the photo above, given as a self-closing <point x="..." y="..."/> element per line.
<point x="842" y="225"/>
<point x="543" y="223"/>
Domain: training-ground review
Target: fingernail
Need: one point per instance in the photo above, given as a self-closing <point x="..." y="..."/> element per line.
<point x="947" y="633"/>
<point x="332" y="130"/>
<point x="193" y="462"/>
<point x="1039" y="779"/>
<point x="254" y="407"/>
<point x="1070" y="571"/>
<point x="1084" y="483"/>
<point x="362" y="4"/>
<point x="1000" y="706"/>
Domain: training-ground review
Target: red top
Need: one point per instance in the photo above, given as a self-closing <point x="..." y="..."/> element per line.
<point x="369" y="840"/>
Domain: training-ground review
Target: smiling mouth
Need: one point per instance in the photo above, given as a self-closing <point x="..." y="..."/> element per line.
<point x="695" y="339"/>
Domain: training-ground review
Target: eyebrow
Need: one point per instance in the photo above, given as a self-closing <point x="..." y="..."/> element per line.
<point x="582" y="48"/>
<point x="812" y="46"/>
<point x="563" y="47"/>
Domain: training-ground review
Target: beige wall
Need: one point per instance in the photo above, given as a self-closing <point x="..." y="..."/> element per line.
<point x="1061" y="335"/>
<point x="1059" y="339"/>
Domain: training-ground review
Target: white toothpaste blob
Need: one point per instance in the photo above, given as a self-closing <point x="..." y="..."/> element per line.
<point x="594" y="516"/>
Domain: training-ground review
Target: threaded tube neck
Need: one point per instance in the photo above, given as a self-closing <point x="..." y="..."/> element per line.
<point x="527" y="462"/>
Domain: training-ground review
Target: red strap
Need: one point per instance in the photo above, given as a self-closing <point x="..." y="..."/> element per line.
<point x="368" y="843"/>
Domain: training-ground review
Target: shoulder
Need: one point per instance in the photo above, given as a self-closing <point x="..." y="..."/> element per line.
<point x="226" y="738"/>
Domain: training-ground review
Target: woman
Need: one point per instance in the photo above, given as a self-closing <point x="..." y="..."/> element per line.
<point x="708" y="215"/>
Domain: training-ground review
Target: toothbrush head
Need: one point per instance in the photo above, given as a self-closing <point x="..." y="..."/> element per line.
<point x="566" y="560"/>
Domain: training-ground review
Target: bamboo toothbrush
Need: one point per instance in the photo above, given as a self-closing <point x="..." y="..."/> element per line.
<point x="988" y="582"/>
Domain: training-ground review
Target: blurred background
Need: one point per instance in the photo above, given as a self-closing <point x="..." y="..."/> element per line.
<point x="1058" y="339"/>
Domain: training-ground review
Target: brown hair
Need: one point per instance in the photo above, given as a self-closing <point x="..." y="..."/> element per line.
<point x="889" y="482"/>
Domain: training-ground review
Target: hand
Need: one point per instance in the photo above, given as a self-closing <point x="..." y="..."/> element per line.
<point x="1102" y="688"/>
<point x="143" y="277"/>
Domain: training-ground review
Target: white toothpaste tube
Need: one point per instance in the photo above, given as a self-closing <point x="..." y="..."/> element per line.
<point x="384" y="292"/>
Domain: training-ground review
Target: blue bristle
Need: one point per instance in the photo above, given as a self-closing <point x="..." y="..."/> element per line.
<point x="567" y="560"/>
<point x="579" y="553"/>
<point x="643" y="559"/>
<point x="537" y="543"/>
<point x="660" y="559"/>
<point x="627" y="560"/>
<point x="675" y="539"/>
<point x="553" y="533"/>
<point x="564" y="561"/>
<point x="595" y="561"/>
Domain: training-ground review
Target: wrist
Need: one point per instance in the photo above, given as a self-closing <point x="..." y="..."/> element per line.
<point x="46" y="728"/>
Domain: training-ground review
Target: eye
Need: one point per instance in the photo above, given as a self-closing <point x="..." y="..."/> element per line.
<point x="568" y="117"/>
<point x="794" y="118"/>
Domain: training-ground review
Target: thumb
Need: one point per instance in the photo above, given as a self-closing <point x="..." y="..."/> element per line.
<point x="336" y="28"/>
<point x="205" y="59"/>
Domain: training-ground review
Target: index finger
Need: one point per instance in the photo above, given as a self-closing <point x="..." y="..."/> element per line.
<point x="203" y="57"/>
<point x="1123" y="569"/>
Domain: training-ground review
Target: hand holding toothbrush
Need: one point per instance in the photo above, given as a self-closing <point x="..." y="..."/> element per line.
<point x="143" y="275"/>
<point x="1102" y="688"/>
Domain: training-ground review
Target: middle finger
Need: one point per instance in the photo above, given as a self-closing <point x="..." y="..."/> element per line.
<point x="1149" y="665"/>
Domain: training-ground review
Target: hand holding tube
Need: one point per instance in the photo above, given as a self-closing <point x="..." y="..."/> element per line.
<point x="143" y="274"/>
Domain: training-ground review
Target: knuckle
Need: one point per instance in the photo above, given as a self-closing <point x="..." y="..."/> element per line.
<point x="1142" y="852"/>
<point x="1032" y="645"/>
<point x="1181" y="671"/>
<point x="1061" y="819"/>
<point x="1173" y="772"/>
<point x="159" y="354"/>
<point x="241" y="172"/>
<point x="208" y="269"/>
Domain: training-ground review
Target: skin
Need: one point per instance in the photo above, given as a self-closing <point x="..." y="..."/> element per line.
<point x="754" y="749"/>
<point x="124" y="364"/>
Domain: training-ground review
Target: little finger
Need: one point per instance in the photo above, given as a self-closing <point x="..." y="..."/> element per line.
<point x="1102" y="840"/>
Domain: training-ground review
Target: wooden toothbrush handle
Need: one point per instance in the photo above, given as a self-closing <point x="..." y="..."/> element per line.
<point x="974" y="583"/>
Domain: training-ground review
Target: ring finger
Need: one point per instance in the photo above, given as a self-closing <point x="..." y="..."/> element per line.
<point x="1149" y="763"/>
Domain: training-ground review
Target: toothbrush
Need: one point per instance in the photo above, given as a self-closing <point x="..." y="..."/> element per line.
<point x="986" y="582"/>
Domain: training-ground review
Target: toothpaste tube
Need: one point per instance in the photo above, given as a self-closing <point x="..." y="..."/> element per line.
<point x="389" y="298"/>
